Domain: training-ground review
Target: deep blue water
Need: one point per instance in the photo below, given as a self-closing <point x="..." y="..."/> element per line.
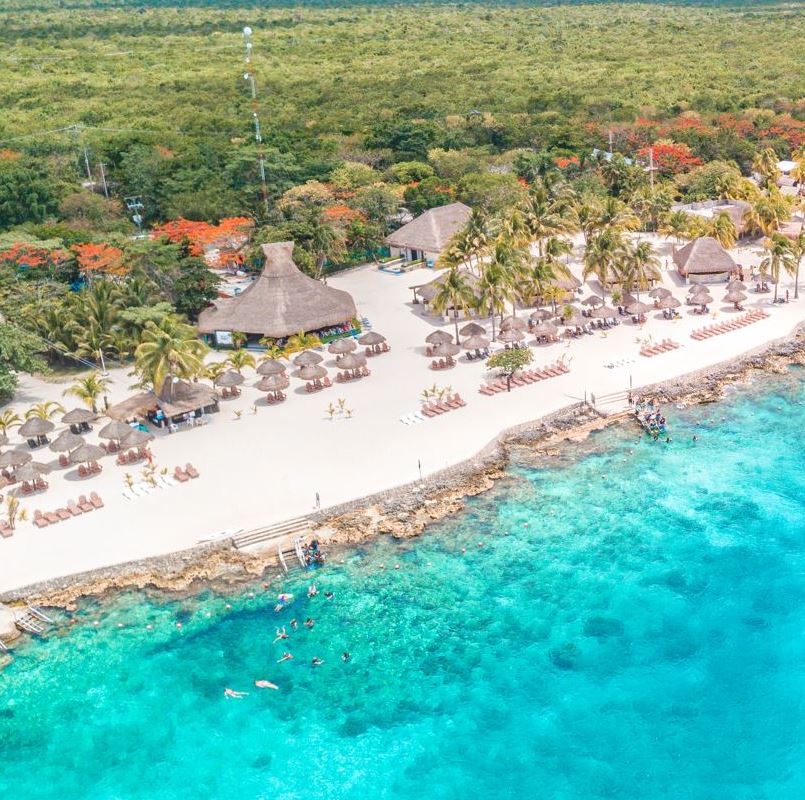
<point x="631" y="628"/>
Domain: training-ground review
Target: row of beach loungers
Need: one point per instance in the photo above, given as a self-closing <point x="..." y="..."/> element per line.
<point x="665" y="346"/>
<point x="44" y="518"/>
<point x="436" y="407"/>
<point x="523" y="378"/>
<point x="732" y="325"/>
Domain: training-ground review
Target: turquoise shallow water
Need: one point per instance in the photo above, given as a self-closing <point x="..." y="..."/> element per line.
<point x="631" y="628"/>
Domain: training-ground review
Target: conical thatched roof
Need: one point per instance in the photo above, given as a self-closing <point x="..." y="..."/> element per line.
<point x="541" y="315"/>
<point x="136" y="438"/>
<point x="66" y="440"/>
<point x="31" y="471"/>
<point x="35" y="426"/>
<point x="446" y="349"/>
<point x="472" y="329"/>
<point x="87" y="452"/>
<point x="513" y="335"/>
<point x="372" y="338"/>
<point x="574" y="318"/>
<point x="281" y="302"/>
<point x="272" y="383"/>
<point x="341" y="346"/>
<point x="176" y="397"/>
<point x="229" y="378"/>
<point x="703" y="256"/>
<point x="513" y="322"/>
<point x="477" y="342"/>
<point x="734" y="297"/>
<point x="660" y="292"/>
<point x="271" y="367"/>
<point x="114" y="430"/>
<point x="603" y="312"/>
<point x="638" y="308"/>
<point x="77" y="416"/>
<point x="308" y="358"/>
<point x="592" y="300"/>
<point x="569" y="284"/>
<point x="432" y="230"/>
<point x="312" y="372"/>
<point x="669" y="302"/>
<point x="14" y="458"/>
<point x="351" y="361"/>
<point x="437" y="337"/>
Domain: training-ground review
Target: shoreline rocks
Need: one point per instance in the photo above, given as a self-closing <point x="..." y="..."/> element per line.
<point x="403" y="512"/>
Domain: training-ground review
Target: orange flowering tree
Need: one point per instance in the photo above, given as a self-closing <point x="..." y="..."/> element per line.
<point x="201" y="234"/>
<point x="670" y="158"/>
<point x="33" y="258"/>
<point x="99" y="259"/>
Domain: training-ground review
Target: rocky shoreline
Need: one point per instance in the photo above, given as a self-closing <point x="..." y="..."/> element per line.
<point x="404" y="511"/>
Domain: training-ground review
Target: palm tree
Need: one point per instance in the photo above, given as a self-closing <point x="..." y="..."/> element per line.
<point x="780" y="256"/>
<point x="651" y="205"/>
<point x="454" y="293"/>
<point x="325" y="242"/>
<point x="302" y="341"/>
<point x="8" y="419"/>
<point x="766" y="215"/>
<point x="549" y="267"/>
<point x="495" y="290"/>
<point x="44" y="410"/>
<point x="616" y="214"/>
<point x="676" y="224"/>
<point x="765" y="165"/>
<point x="214" y="370"/>
<point x="639" y="266"/>
<point x="511" y="258"/>
<point x="602" y="253"/>
<point x="588" y="215"/>
<point x="798" y="250"/>
<point x="722" y="229"/>
<point x="169" y="349"/>
<point x="88" y="390"/>
<point x="541" y="216"/>
<point x="238" y="359"/>
<point x="273" y="351"/>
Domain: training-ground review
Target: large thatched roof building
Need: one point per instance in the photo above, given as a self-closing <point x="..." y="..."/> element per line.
<point x="428" y="235"/>
<point x="177" y="397"/>
<point x="281" y="302"/>
<point x="704" y="259"/>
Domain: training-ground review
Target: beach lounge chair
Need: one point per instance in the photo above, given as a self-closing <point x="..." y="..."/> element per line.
<point x="73" y="508"/>
<point x="180" y="475"/>
<point x="51" y="517"/>
<point x="327" y="382"/>
<point x="191" y="470"/>
<point x="63" y="513"/>
<point x="6" y="531"/>
<point x="427" y="412"/>
<point x="39" y="520"/>
<point x="95" y="500"/>
<point x="63" y="460"/>
<point x="82" y="471"/>
<point x="84" y="504"/>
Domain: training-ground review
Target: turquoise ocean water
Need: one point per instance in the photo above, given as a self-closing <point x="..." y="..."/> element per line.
<point x="633" y="627"/>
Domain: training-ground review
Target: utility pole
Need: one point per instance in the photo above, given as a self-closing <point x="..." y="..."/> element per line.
<point x="248" y="76"/>
<point x="651" y="166"/>
<point x="136" y="206"/>
<point x="86" y="164"/>
<point x="101" y="165"/>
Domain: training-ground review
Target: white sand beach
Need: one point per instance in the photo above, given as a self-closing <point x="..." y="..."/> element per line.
<point x="268" y="466"/>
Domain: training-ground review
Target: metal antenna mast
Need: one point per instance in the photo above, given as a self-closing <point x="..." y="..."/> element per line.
<point x="248" y="76"/>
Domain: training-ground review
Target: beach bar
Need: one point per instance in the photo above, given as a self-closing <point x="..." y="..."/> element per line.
<point x="282" y="302"/>
<point x="178" y="401"/>
<point x="426" y="237"/>
<point x="704" y="260"/>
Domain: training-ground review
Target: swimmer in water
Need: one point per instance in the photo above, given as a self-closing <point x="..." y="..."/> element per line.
<point x="312" y="591"/>
<point x="293" y="623"/>
<point x="285" y="657"/>
<point x="281" y="634"/>
<point x="329" y="595"/>
<point x="315" y="661"/>
<point x="345" y="656"/>
<point x="233" y="693"/>
<point x="266" y="685"/>
<point x="309" y="623"/>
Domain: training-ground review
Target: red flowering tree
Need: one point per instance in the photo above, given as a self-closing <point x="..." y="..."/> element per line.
<point x="670" y="158"/>
<point x="102" y="258"/>
<point x="30" y="257"/>
<point x="202" y="234"/>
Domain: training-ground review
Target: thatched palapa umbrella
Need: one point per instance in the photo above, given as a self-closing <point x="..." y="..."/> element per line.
<point x="446" y="350"/>
<point x="592" y="300"/>
<point x="638" y="308"/>
<point x="228" y="379"/>
<point x="736" y="286"/>
<point x="308" y="359"/>
<point x="66" y="440"/>
<point x="541" y="314"/>
<point x="271" y="367"/>
<point x="513" y="323"/>
<point x="702" y="299"/>
<point x="14" y="458"/>
<point x="699" y="288"/>
<point x="476" y="343"/>
<point x="628" y="300"/>
<point x="351" y="361"/>
<point x="604" y="312"/>
<point x="273" y="383"/>
<point x="659" y="293"/>
<point x="670" y="302"/>
<point x="341" y="346"/>
<point x="511" y="335"/>
<point x="764" y="277"/>
<point x="312" y="372"/>
<point x="569" y="284"/>
<point x="36" y="426"/>
<point x="31" y="471"/>
<point x="136" y="438"/>
<point x="114" y="430"/>
<point x="574" y="318"/>
<point x="86" y="453"/>
<point x="372" y="339"/>
<point x="545" y="329"/>
<point x="734" y="297"/>
<point x="472" y="329"/>
<point x="438" y="337"/>
<point x="78" y="416"/>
